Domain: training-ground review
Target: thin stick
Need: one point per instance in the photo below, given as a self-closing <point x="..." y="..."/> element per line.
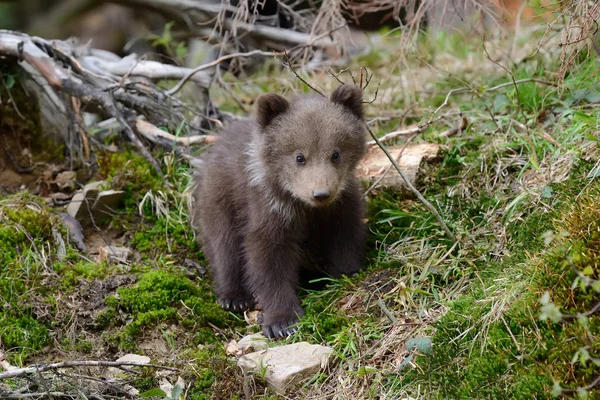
<point x="405" y="132"/>
<point x="387" y="312"/>
<point x="412" y="188"/>
<point x="289" y="64"/>
<point x="218" y="61"/>
<point x="15" y="373"/>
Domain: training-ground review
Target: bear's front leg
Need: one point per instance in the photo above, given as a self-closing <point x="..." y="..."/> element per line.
<point x="347" y="235"/>
<point x="272" y="274"/>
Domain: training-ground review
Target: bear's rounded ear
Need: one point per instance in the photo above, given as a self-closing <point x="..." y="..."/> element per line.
<point x="269" y="106"/>
<point x="350" y="97"/>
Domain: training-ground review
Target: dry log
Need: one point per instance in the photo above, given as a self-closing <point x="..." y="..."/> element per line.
<point x="375" y="164"/>
<point x="211" y="14"/>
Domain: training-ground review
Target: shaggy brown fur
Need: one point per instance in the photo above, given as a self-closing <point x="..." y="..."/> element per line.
<point x="277" y="194"/>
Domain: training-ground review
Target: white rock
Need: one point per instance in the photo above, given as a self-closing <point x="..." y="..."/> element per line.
<point x="91" y="204"/>
<point x="168" y="387"/>
<point x="113" y="372"/>
<point x="287" y="365"/>
<point x="134" y="358"/>
<point x="255" y="342"/>
<point x="114" y="254"/>
<point x="107" y="202"/>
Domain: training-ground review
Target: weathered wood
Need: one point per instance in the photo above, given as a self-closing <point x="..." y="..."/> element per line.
<point x="375" y="164"/>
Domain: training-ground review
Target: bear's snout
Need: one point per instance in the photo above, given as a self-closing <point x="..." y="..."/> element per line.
<point x="321" y="194"/>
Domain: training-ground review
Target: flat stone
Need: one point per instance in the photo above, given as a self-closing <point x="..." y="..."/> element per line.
<point x="134" y="358"/>
<point x="255" y="342"/>
<point x="114" y="372"/>
<point x="114" y="254"/>
<point x="107" y="202"/>
<point x="90" y="204"/>
<point x="81" y="204"/>
<point x="287" y="365"/>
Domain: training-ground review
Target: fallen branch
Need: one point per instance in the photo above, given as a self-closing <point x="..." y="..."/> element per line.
<point x="389" y="167"/>
<point x="104" y="81"/>
<point x="36" y="369"/>
<point x="209" y="14"/>
<point x="387" y="312"/>
<point x="163" y="138"/>
<point x="132" y="66"/>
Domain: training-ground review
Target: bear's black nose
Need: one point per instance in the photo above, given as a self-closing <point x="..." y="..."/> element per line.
<point x="321" y="194"/>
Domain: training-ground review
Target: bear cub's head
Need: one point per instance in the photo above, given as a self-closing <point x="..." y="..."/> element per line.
<point x="310" y="145"/>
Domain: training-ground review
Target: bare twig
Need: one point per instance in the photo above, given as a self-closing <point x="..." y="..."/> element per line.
<point x="462" y="125"/>
<point x="289" y="64"/>
<point x="512" y="77"/>
<point x="219" y="60"/>
<point x="412" y="188"/>
<point x="404" y="132"/>
<point x="36" y="369"/>
<point x="387" y="312"/>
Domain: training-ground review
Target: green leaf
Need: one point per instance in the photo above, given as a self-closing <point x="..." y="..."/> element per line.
<point x="423" y="344"/>
<point x="552" y="312"/>
<point x="547" y="192"/>
<point x="582" y="393"/>
<point x="501" y="102"/>
<point x="405" y="362"/>
<point x="556" y="390"/>
<point x="176" y="392"/>
<point x="153" y="393"/>
<point x="10" y="81"/>
<point x="595" y="173"/>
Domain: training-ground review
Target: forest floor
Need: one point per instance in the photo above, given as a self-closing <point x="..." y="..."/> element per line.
<point x="508" y="309"/>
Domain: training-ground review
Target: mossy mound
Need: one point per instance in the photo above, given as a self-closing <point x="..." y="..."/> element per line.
<point x="160" y="296"/>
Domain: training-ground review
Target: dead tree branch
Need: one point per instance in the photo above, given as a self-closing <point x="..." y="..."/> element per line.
<point x="163" y="138"/>
<point x="37" y="369"/>
<point x="103" y="82"/>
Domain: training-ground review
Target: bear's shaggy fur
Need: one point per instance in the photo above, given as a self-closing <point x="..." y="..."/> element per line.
<point x="278" y="193"/>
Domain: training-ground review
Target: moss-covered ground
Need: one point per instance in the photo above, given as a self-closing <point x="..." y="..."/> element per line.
<point x="510" y="309"/>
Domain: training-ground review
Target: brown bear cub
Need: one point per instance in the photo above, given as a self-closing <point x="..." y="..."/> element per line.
<point x="278" y="193"/>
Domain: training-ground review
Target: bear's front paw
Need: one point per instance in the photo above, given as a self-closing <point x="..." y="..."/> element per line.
<point x="236" y="304"/>
<point x="280" y="325"/>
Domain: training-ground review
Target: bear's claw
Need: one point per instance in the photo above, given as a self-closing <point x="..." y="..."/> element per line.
<point x="279" y="330"/>
<point x="236" y="304"/>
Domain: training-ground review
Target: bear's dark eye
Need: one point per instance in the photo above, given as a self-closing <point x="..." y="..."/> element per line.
<point x="300" y="159"/>
<point x="335" y="156"/>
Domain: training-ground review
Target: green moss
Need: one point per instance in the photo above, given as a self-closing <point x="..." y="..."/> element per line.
<point x="71" y="272"/>
<point x="214" y="377"/>
<point x="22" y="335"/>
<point x="131" y="173"/>
<point x="158" y="297"/>
<point x="163" y="236"/>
